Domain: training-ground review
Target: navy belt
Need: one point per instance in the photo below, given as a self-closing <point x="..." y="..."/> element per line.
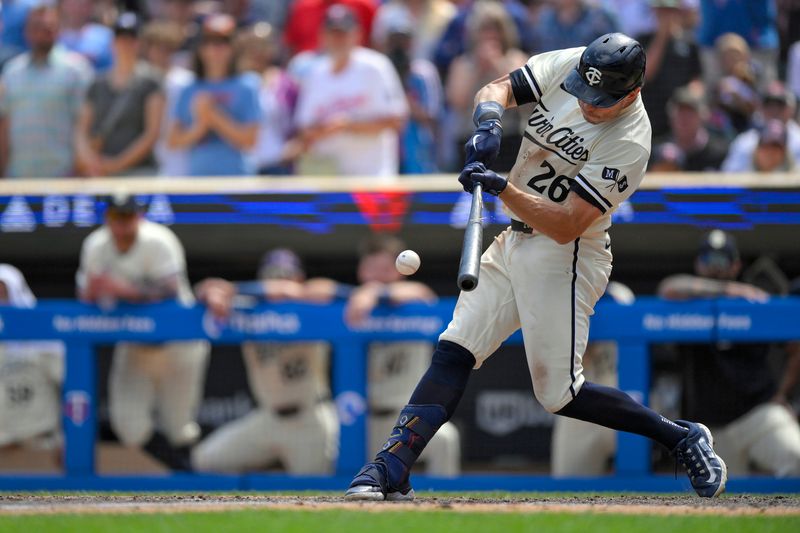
<point x="516" y="225"/>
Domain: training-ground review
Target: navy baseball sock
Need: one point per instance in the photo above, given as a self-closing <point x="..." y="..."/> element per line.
<point x="614" y="409"/>
<point x="445" y="380"/>
<point x="430" y="406"/>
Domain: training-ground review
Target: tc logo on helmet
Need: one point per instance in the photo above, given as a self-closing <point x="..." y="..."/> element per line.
<point x="593" y="76"/>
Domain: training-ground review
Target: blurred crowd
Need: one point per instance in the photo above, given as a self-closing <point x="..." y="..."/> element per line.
<point x="367" y="87"/>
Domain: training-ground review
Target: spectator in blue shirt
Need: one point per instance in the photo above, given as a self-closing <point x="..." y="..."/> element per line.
<point x="216" y="117"/>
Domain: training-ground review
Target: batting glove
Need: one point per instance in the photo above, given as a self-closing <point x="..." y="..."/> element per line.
<point x="465" y="178"/>
<point x="492" y="182"/>
<point x="484" y="145"/>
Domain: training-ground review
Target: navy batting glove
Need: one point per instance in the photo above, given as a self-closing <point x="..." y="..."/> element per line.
<point x="484" y="145"/>
<point x="465" y="178"/>
<point x="492" y="182"/>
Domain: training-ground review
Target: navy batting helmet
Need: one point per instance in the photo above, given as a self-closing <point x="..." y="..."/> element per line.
<point x="610" y="68"/>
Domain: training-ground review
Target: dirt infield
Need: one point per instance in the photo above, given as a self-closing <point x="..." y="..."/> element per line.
<point x="738" y="505"/>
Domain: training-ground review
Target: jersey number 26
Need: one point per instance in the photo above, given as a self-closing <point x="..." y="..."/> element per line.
<point x="558" y="188"/>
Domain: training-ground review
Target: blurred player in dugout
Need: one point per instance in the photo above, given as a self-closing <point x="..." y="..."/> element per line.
<point x="731" y="387"/>
<point x="31" y="373"/>
<point x="394" y="368"/>
<point x="154" y="389"/>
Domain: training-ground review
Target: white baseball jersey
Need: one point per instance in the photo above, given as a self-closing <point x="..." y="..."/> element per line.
<point x="367" y="89"/>
<point x="530" y="281"/>
<point x="604" y="163"/>
<point x="30" y="389"/>
<point x="288" y="374"/>
<point x="157" y="254"/>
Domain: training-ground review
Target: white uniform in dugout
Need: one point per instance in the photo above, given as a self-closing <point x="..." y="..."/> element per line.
<point x="166" y="378"/>
<point x="394" y="370"/>
<point x="295" y="422"/>
<point x="548" y="289"/>
<point x="31" y="374"/>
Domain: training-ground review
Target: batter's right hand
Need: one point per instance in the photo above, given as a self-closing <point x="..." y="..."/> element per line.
<point x="484" y="145"/>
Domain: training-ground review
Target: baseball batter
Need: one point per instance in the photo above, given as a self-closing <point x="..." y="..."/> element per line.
<point x="585" y="150"/>
<point x="154" y="389"/>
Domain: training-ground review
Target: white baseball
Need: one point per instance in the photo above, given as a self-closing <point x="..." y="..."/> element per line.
<point x="407" y="262"/>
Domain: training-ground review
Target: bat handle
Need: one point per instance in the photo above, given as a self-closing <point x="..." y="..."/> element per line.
<point x="470" y="264"/>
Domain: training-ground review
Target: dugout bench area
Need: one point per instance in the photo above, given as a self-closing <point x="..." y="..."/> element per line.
<point x="634" y="327"/>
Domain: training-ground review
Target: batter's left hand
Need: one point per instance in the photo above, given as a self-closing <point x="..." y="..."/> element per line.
<point x="465" y="178"/>
<point x="492" y="182"/>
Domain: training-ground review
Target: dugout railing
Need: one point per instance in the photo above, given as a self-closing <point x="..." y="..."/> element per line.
<point x="634" y="328"/>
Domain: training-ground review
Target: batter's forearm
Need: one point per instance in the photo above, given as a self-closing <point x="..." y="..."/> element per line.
<point x="499" y="91"/>
<point x="557" y="221"/>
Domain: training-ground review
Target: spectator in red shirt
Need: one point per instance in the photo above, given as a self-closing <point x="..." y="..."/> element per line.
<point x="305" y="21"/>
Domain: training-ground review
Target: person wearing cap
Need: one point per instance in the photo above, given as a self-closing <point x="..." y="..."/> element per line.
<point x="34" y="144"/>
<point x="154" y="389"/>
<point x="730" y="387"/>
<point x="777" y="104"/>
<point x="702" y="149"/>
<point x="120" y="120"/>
<point x="351" y="128"/>
<point x="216" y="116"/>
<point x="306" y="19"/>
<point x="771" y="153"/>
<point x="585" y="150"/>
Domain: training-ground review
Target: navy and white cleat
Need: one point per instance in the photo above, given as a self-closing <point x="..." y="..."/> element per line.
<point x="370" y="484"/>
<point x="707" y="471"/>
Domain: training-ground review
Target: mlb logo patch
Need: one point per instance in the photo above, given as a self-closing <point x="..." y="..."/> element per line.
<point x="610" y="174"/>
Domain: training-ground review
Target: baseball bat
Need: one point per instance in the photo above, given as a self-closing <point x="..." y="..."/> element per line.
<point x="473" y="242"/>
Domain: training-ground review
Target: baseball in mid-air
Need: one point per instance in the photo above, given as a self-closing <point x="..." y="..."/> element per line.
<point x="407" y="262"/>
